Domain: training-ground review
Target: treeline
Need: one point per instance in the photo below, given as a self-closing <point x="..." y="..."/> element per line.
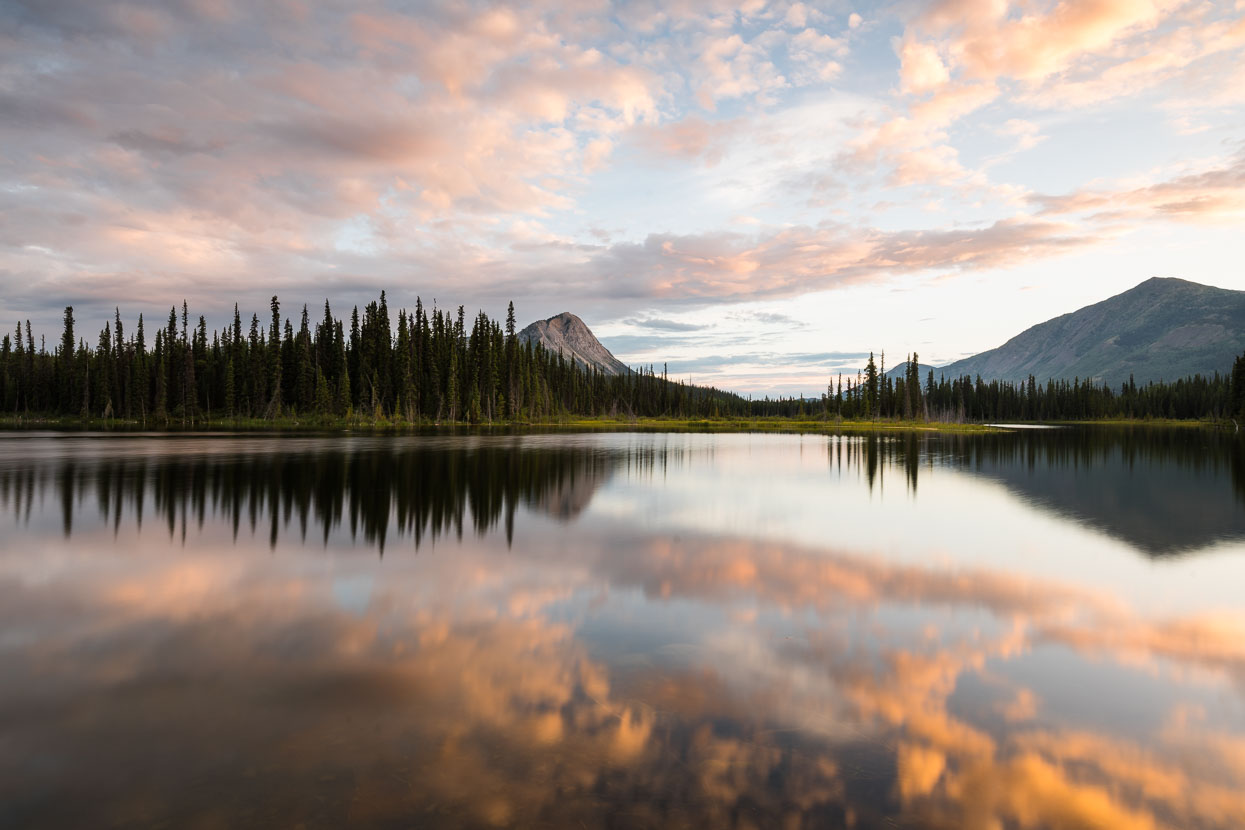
<point x="419" y="491"/>
<point x="874" y="395"/>
<point x="377" y="490"/>
<point x="436" y="366"/>
<point x="1096" y="453"/>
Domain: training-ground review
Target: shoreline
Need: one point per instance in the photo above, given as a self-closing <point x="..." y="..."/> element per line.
<point x="776" y="424"/>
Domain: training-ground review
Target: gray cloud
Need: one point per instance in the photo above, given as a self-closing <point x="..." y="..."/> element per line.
<point x="803" y="360"/>
<point x="665" y="325"/>
<point x="225" y="151"/>
<point x="172" y="143"/>
<point x="632" y="343"/>
<point x="769" y="318"/>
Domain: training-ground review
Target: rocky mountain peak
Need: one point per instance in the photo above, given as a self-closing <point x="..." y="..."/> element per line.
<point x="568" y="333"/>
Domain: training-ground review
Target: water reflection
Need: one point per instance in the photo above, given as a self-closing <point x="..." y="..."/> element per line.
<point x="601" y="649"/>
<point x="421" y="490"/>
<point x="1161" y="491"/>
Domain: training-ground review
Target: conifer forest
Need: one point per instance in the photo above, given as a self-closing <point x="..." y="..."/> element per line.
<point x="435" y="366"/>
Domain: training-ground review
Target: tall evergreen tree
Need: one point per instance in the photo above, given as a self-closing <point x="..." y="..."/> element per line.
<point x="274" y="362"/>
<point x="872" y="399"/>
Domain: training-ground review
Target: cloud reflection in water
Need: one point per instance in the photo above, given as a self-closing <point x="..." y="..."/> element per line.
<point x="564" y="664"/>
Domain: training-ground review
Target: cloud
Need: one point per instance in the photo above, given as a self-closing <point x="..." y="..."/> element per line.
<point x="690" y="139"/>
<point x="730" y="67"/>
<point x="989" y="41"/>
<point x="142" y="252"/>
<point x="665" y="325"/>
<point x="1026" y="133"/>
<point x="921" y="67"/>
<point x="205" y="147"/>
<point x="408" y="116"/>
<point x="744" y="361"/>
<point x="796" y="16"/>
<point x="810" y="51"/>
<point x="769" y="318"/>
<point x="825" y="664"/>
<point x="914" y="147"/>
<point x="1213" y="194"/>
<point x="631" y="344"/>
<point x="222" y="151"/>
<point x="1067" y="54"/>
<point x="800" y="260"/>
<point x="957" y="56"/>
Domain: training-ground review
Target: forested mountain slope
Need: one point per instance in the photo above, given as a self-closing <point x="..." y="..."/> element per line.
<point x="1163" y="329"/>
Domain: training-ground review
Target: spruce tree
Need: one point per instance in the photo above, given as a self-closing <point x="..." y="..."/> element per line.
<point x="230" y="392"/>
<point x="872" y="399"/>
<point x="274" y="362"/>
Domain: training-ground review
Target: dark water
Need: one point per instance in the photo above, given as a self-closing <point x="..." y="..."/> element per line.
<point x="1042" y="629"/>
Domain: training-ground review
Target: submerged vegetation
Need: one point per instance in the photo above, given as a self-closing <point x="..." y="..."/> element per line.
<point x="436" y="368"/>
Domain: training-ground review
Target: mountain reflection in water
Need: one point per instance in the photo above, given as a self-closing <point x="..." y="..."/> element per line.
<point x="1161" y="491"/>
<point x="623" y="630"/>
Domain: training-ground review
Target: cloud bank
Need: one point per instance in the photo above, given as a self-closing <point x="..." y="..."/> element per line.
<point x="601" y="154"/>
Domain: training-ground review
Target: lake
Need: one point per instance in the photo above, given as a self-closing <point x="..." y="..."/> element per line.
<point x="1024" y="629"/>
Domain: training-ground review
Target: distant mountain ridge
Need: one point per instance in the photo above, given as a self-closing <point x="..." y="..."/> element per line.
<point x="567" y="333"/>
<point x="1163" y="329"/>
<point x="900" y="370"/>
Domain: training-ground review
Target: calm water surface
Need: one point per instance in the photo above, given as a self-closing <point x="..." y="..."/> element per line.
<point x="1037" y="629"/>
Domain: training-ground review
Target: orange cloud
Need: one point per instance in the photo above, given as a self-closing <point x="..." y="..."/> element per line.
<point x="963" y="54"/>
<point x="921" y="68"/>
<point x="459" y="690"/>
<point x="798" y="260"/>
<point x="1214" y="194"/>
<point x="691" y="139"/>
<point x="1036" y="44"/>
<point x="1034" y="793"/>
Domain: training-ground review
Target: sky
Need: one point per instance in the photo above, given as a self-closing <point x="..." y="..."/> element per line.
<point x="757" y="194"/>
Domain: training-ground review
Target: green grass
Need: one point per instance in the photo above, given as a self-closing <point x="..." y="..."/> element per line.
<point x="777" y="424"/>
<point x="722" y="424"/>
<point x="340" y="424"/>
<point x="1145" y="422"/>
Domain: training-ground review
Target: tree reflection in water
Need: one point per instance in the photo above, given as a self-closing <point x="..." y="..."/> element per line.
<point x="1161" y="491"/>
<point x="589" y="651"/>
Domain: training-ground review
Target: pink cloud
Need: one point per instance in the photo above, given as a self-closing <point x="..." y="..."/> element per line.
<point x="1036" y="46"/>
<point x="960" y="55"/>
<point x="210" y="145"/>
<point x="1216" y="194"/>
<point x="799" y="260"/>
<point x="690" y="139"/>
<point x="914" y="146"/>
<point x="921" y="67"/>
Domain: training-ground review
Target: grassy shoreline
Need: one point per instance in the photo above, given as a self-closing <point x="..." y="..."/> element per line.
<point x="351" y="424"/>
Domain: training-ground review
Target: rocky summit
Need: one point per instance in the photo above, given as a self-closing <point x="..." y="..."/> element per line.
<point x="570" y="335"/>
